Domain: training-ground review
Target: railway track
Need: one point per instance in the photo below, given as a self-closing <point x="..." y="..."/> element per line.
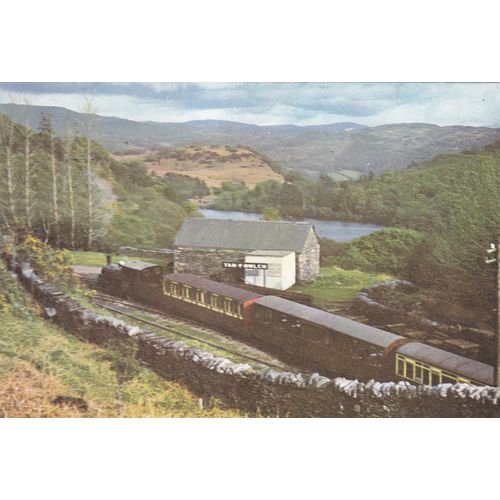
<point x="260" y="358"/>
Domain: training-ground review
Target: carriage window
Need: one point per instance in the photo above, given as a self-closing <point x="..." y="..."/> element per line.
<point x="185" y="291"/>
<point x="227" y="306"/>
<point x="215" y="301"/>
<point x="435" y="378"/>
<point x="409" y="371"/>
<point x="235" y="308"/>
<point x="206" y="298"/>
<point x="192" y="294"/>
<point x="239" y="311"/>
<point x="200" y="296"/>
<point x="400" y="367"/>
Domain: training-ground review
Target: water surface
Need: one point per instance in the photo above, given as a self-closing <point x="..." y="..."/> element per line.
<point x="332" y="229"/>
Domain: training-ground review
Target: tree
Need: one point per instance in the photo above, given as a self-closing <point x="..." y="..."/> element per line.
<point x="50" y="145"/>
<point x="7" y="199"/>
<point x="68" y="146"/>
<point x="271" y="214"/>
<point x="91" y="226"/>
<point x="28" y="172"/>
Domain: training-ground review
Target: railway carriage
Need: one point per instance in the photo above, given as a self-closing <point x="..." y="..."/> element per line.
<point x="320" y="338"/>
<point x="332" y="342"/>
<point x="425" y="364"/>
<point x="214" y="303"/>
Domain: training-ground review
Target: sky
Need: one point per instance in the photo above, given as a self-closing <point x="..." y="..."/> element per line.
<point x="476" y="104"/>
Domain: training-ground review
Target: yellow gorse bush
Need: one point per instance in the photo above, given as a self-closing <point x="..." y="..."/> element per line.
<point x="49" y="263"/>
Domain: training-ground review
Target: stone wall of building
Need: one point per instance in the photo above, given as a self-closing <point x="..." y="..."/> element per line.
<point x="307" y="262"/>
<point x="264" y="392"/>
<point x="208" y="261"/>
<point x="204" y="261"/>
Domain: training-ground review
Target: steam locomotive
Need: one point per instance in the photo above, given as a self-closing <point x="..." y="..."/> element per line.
<point x="330" y="342"/>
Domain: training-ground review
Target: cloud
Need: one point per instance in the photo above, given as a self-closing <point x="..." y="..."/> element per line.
<point x="275" y="103"/>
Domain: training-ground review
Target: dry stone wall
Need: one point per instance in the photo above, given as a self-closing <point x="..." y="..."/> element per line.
<point x="265" y="392"/>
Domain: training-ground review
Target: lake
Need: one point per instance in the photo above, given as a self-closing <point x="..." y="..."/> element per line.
<point x="332" y="229"/>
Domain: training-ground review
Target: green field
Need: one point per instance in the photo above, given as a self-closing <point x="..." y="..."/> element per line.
<point x="98" y="259"/>
<point x="338" y="285"/>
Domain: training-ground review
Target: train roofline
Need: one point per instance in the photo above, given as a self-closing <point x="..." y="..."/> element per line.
<point x="466" y="367"/>
<point x="346" y="326"/>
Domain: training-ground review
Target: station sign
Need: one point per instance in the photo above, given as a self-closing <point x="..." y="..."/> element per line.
<point x="244" y="265"/>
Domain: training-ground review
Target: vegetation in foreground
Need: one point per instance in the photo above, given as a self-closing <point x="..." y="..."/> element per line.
<point x="45" y="372"/>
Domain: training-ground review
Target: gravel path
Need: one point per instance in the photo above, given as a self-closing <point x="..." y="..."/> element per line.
<point x="86" y="270"/>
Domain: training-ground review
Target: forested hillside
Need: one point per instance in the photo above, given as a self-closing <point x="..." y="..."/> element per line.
<point x="70" y="192"/>
<point x="453" y="199"/>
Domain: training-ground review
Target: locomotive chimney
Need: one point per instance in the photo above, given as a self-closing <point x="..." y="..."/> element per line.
<point x="108" y="259"/>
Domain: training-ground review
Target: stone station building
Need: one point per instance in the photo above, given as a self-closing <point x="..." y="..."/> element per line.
<point x="215" y="247"/>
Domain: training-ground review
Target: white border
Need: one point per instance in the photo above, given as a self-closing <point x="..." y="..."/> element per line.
<point x="57" y="40"/>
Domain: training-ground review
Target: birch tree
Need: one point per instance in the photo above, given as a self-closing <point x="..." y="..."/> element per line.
<point x="28" y="172"/>
<point x="68" y="163"/>
<point x="90" y="111"/>
<point x="49" y="142"/>
<point x="7" y="199"/>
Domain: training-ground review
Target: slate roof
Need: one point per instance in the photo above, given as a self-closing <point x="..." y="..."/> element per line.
<point x="243" y="235"/>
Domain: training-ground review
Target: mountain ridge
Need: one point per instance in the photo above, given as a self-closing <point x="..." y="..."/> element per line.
<point x="326" y="148"/>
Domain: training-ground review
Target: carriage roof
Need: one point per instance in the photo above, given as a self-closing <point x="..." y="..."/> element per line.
<point x="212" y="286"/>
<point x="330" y="321"/>
<point x="469" y="368"/>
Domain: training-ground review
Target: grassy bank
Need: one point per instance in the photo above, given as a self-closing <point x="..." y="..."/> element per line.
<point x="39" y="362"/>
<point x="338" y="285"/>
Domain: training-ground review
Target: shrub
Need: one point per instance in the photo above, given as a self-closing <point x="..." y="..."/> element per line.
<point x="49" y="263"/>
<point x="391" y="250"/>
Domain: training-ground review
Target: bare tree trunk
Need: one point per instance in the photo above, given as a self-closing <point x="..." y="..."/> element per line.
<point x="7" y="139"/>
<point x="89" y="110"/>
<point x="27" y="174"/>
<point x="55" y="200"/>
<point x="71" y="193"/>
<point x="46" y="229"/>
<point x="89" y="196"/>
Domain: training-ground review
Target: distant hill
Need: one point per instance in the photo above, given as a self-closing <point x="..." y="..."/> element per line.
<point x="328" y="148"/>
<point x="211" y="164"/>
